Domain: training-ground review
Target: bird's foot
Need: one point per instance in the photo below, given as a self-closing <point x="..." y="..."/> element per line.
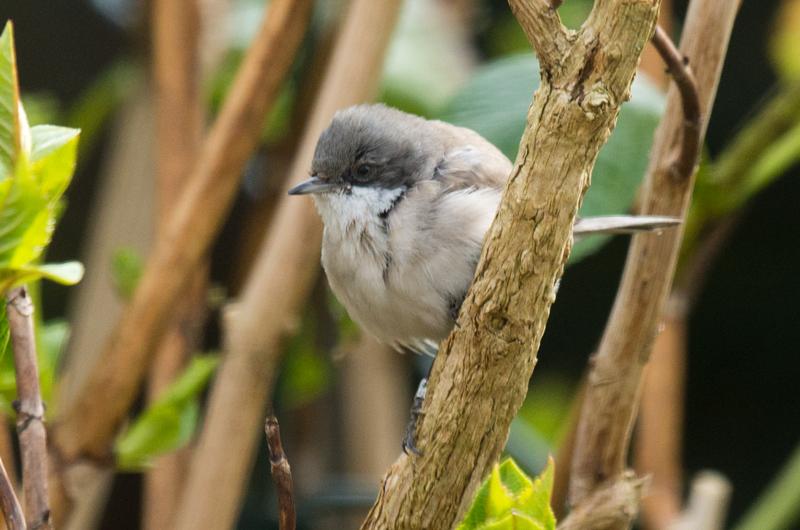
<point x="409" y="441"/>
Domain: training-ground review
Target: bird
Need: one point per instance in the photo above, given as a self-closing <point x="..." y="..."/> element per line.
<point x="406" y="203"/>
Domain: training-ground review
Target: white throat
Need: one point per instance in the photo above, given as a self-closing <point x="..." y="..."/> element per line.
<point x="359" y="208"/>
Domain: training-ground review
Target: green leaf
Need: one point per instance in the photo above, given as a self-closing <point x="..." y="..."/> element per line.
<point x="67" y="273"/>
<point x="495" y="104"/>
<point x="126" y="269"/>
<point x="784" y="40"/>
<point x="170" y="422"/>
<point x="10" y="136"/>
<point x="509" y="499"/>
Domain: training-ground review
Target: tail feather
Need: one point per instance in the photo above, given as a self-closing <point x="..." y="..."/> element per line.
<point x="622" y="224"/>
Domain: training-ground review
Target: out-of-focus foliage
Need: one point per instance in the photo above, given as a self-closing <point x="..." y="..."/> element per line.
<point x="779" y="507"/>
<point x="169" y="422"/>
<point x="305" y="372"/>
<point x="99" y="102"/>
<point x="784" y="44"/>
<point x="51" y="339"/>
<point x="509" y="500"/>
<point x="36" y="165"/>
<point x="426" y="62"/>
<point x="495" y="102"/>
<point x="126" y="269"/>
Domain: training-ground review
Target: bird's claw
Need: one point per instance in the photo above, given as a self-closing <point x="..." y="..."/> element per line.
<point x="409" y="440"/>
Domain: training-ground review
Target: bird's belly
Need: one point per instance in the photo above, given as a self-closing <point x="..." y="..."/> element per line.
<point x="394" y="316"/>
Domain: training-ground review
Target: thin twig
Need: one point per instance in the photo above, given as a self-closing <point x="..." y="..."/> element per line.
<point x="12" y="511"/>
<point x="281" y="474"/>
<point x="615" y="379"/>
<point x="30" y="409"/>
<point x="678" y="67"/>
<point x="88" y="424"/>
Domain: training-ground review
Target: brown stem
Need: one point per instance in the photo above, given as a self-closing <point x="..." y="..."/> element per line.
<point x="281" y="474"/>
<point x="88" y="424"/>
<point x="614" y="505"/>
<point x="660" y="428"/>
<point x="678" y="68"/>
<point x="661" y="419"/>
<point x="12" y="511"/>
<point x="481" y="374"/>
<point x="280" y="281"/>
<point x="179" y="127"/>
<point x="615" y="378"/>
<point x="30" y="409"/>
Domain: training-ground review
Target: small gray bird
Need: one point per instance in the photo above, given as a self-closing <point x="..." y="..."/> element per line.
<point x="406" y="203"/>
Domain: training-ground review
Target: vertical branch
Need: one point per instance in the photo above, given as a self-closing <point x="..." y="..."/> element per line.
<point x="30" y="409"/>
<point x="278" y="285"/>
<point x="480" y="376"/>
<point x="12" y="511"/>
<point x="281" y="475"/>
<point x="179" y="127"/>
<point x="614" y="381"/>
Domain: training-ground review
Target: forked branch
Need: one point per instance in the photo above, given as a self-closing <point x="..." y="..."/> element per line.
<point x="480" y="376"/>
<point x="615" y="379"/>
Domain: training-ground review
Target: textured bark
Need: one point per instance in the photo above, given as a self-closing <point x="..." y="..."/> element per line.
<point x="614" y="382"/>
<point x="30" y="410"/>
<point x="481" y="374"/>
<point x="615" y="505"/>
<point x="280" y="282"/>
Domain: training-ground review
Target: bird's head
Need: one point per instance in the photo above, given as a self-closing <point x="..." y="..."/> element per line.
<point x="366" y="147"/>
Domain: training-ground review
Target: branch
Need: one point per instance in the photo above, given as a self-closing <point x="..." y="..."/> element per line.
<point x="176" y="28"/>
<point x="614" y="505"/>
<point x="281" y="474"/>
<point x="707" y="505"/>
<point x="279" y="283"/>
<point x="542" y="25"/>
<point x="30" y="409"/>
<point x="480" y="376"/>
<point x="88" y="424"/>
<point x="614" y="381"/>
<point x="12" y="511"/>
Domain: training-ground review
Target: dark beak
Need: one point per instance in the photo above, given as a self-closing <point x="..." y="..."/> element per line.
<point x="312" y="185"/>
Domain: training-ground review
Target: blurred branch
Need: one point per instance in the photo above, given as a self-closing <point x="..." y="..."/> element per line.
<point x="779" y="506"/>
<point x="88" y="424"/>
<point x="30" y="409"/>
<point x="614" y="505"/>
<point x="480" y="376"/>
<point x="707" y="504"/>
<point x="615" y="378"/>
<point x="179" y="129"/>
<point x="7" y="449"/>
<point x="277" y="288"/>
<point x="660" y="429"/>
<point x="12" y="511"/>
<point x="281" y="474"/>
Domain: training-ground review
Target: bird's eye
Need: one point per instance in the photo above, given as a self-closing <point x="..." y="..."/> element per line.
<point x="363" y="170"/>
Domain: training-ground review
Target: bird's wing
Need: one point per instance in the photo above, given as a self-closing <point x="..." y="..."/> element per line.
<point x="469" y="160"/>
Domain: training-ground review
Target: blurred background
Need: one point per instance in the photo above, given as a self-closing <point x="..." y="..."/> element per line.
<point x="343" y="400"/>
